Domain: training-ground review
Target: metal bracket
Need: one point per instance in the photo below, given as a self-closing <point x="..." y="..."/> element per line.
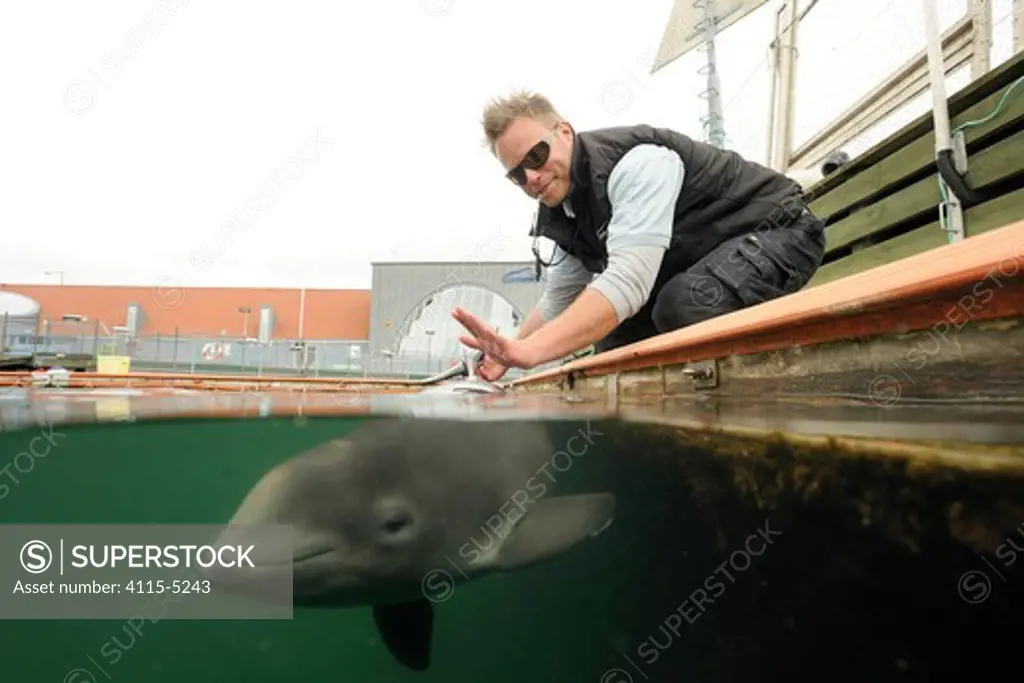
<point x="704" y="373"/>
<point x="958" y="141"/>
<point x="951" y="212"/>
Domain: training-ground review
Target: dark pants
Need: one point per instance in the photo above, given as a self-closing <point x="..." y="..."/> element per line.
<point x="741" y="272"/>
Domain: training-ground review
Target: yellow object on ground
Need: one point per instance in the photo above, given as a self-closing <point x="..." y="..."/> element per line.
<point x="113" y="365"/>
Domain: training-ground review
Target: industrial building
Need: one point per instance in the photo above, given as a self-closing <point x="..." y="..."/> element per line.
<point x="399" y="326"/>
<point x="411" y="329"/>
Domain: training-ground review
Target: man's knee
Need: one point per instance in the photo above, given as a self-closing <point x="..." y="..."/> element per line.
<point x="690" y="298"/>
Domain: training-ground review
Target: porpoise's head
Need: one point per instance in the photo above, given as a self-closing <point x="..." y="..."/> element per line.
<point x="374" y="514"/>
<point x="363" y="526"/>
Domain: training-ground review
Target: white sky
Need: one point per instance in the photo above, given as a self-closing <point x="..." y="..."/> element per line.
<point x="171" y="138"/>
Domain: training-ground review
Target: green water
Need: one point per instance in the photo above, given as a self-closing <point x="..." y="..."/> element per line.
<point x="858" y="579"/>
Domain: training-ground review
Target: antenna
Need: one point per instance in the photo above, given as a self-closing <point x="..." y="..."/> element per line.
<point x="696" y="24"/>
<point x="714" y="122"/>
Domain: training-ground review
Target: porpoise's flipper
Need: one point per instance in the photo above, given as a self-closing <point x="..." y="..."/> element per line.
<point x="407" y="629"/>
<point x="553" y="525"/>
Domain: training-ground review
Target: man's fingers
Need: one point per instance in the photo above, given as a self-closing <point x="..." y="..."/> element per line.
<point x="471" y="322"/>
<point x="470" y="325"/>
<point x="463" y="316"/>
<point x="491" y="348"/>
<point x="480" y="332"/>
<point x="481" y="336"/>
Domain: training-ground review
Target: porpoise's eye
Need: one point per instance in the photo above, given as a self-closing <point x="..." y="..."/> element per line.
<point x="397" y="522"/>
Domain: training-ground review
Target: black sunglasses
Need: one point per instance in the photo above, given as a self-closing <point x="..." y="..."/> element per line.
<point x="534" y="159"/>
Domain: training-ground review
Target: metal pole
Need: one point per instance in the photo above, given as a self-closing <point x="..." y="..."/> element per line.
<point x="786" y="46"/>
<point x="951" y="215"/>
<point x="1018" y="26"/>
<point x="715" y="120"/>
<point x="937" y="76"/>
<point x="772" y="104"/>
<point x="981" y="54"/>
<point x="429" y="338"/>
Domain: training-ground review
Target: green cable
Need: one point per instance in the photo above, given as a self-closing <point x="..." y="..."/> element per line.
<point x="994" y="113"/>
<point x="969" y="124"/>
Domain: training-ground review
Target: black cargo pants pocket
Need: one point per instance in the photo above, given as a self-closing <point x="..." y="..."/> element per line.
<point x="767" y="264"/>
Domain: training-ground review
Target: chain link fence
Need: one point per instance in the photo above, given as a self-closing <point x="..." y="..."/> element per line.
<point x="79" y="345"/>
<point x="192" y="354"/>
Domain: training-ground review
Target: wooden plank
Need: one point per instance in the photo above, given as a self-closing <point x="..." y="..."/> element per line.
<point x="909" y="201"/>
<point x="995" y="213"/>
<point x="991" y="215"/>
<point x="913" y="242"/>
<point x="994" y="81"/>
<point x="996" y="162"/>
<point x="919" y="154"/>
<point x="990" y="165"/>
<point x="956" y="356"/>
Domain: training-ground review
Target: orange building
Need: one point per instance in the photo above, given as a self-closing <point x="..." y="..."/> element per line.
<point x="341" y="314"/>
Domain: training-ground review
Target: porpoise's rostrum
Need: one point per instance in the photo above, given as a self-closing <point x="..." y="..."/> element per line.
<point x="377" y="512"/>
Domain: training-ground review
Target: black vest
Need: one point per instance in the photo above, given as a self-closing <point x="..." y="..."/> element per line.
<point x="723" y="196"/>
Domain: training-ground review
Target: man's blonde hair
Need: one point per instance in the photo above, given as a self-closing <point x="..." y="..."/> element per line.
<point x="500" y="112"/>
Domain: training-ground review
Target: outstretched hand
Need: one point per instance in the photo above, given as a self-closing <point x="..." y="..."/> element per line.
<point x="490" y="369"/>
<point x="510" y="353"/>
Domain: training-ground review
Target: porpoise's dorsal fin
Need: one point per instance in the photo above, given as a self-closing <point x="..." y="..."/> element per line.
<point x="551" y="526"/>
<point x="407" y="629"/>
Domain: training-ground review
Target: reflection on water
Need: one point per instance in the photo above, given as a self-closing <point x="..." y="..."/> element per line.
<point x="730" y="557"/>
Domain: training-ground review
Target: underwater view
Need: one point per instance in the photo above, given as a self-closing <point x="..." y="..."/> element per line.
<point x="569" y="548"/>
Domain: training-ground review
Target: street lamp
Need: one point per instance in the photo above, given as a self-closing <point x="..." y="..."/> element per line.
<point x="59" y="273"/>
<point x="430" y="337"/>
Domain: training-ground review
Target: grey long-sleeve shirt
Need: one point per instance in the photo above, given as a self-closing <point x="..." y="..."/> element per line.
<point x="642" y="188"/>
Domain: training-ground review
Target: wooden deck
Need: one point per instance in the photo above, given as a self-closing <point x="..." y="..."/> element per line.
<point x="903" y="323"/>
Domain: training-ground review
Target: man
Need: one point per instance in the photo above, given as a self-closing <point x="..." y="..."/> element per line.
<point x="653" y="231"/>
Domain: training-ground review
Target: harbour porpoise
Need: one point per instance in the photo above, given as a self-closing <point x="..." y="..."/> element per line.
<point x="403" y="502"/>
